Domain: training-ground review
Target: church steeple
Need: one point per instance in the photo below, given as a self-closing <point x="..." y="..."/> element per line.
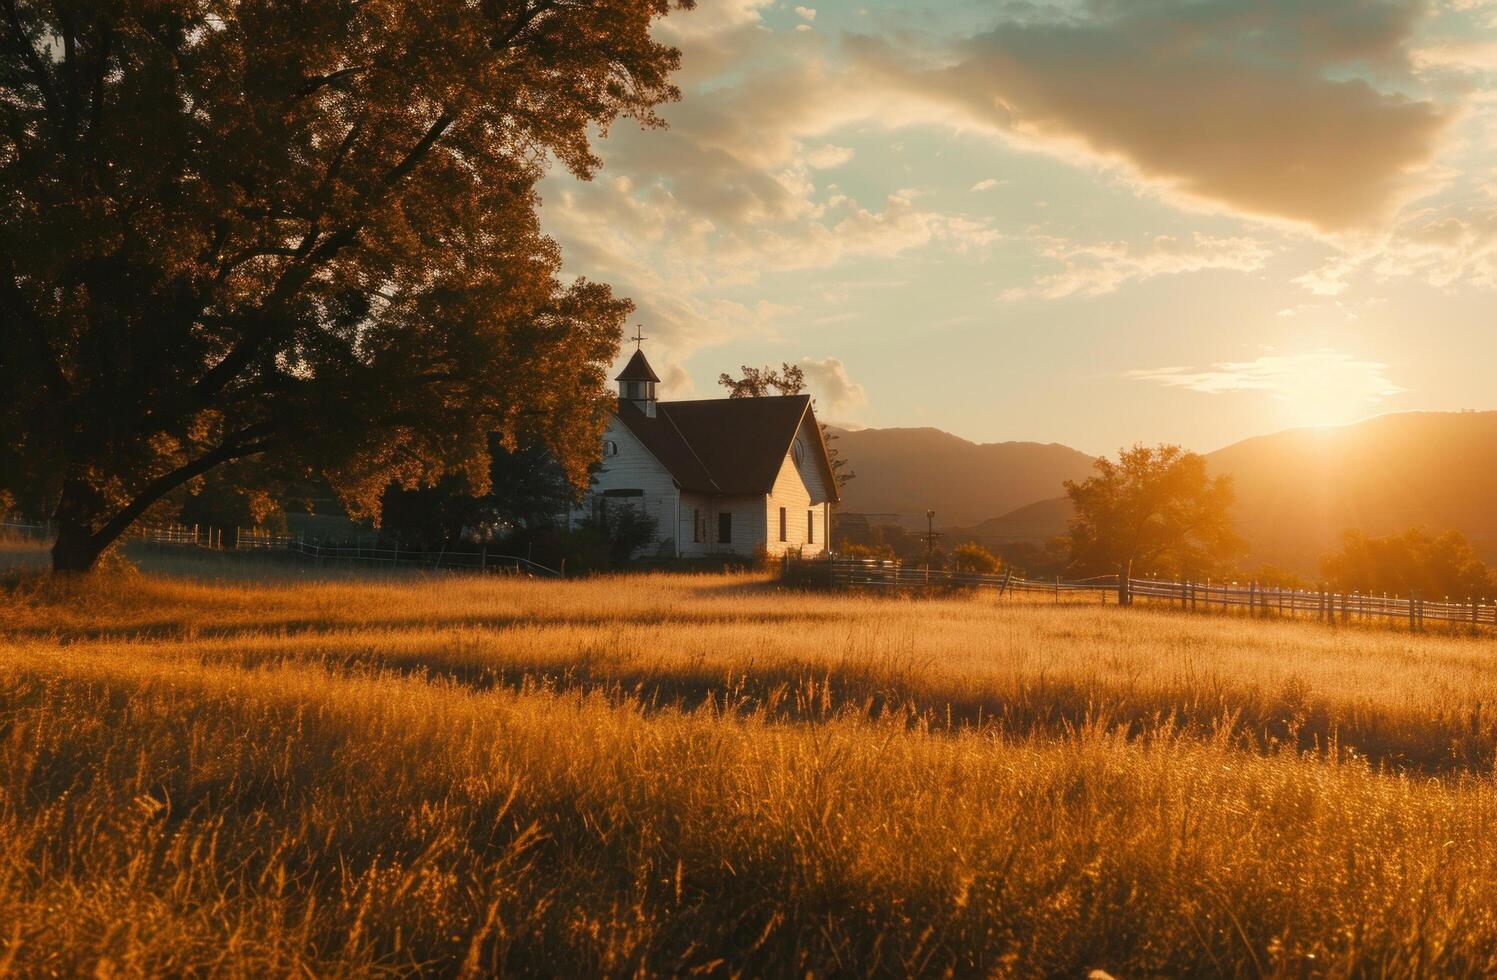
<point x="637" y="381"/>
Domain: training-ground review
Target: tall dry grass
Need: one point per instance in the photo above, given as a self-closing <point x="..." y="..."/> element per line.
<point x="666" y="775"/>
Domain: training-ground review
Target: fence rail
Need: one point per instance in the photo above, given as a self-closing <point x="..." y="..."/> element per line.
<point x="1250" y="597"/>
<point x="256" y="539"/>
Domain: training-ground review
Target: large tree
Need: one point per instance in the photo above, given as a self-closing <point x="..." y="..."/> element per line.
<point x="1155" y="511"/>
<point x="302" y="233"/>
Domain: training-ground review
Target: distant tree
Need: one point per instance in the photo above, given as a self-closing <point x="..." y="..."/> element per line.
<point x="840" y="473"/>
<point x="1154" y="510"/>
<point x="1036" y="559"/>
<point x="527" y="488"/>
<point x="973" y="557"/>
<point x="790" y="379"/>
<point x="431" y="517"/>
<point x="305" y="233"/>
<point x="1273" y="577"/>
<point x="759" y="382"/>
<point x="626" y="527"/>
<point x="876" y="552"/>
<point x="1414" y="561"/>
<point x="225" y="500"/>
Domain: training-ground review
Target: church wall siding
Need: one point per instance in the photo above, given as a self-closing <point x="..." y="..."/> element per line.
<point x="748" y="524"/>
<point x="810" y="464"/>
<point x="799" y="489"/>
<point x="634" y="468"/>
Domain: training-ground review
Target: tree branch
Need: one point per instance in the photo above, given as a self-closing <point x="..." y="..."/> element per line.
<point x="22" y="45"/>
<point x="299" y="271"/>
<point x="233" y="448"/>
<point x="314" y="85"/>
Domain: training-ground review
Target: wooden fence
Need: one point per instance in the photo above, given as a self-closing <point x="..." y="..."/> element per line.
<point x="256" y="539"/>
<point x="1249" y="598"/>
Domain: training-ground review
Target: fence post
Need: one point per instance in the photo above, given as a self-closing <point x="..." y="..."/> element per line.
<point x="1413" y="601"/>
<point x="1124" y="598"/>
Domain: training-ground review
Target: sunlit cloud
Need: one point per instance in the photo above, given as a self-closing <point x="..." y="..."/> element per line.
<point x="827" y="380"/>
<point x="1314" y="387"/>
<point x="1255" y="106"/>
<point x="1097" y="268"/>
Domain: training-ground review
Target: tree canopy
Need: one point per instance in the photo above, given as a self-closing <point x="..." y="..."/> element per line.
<point x="1434" y="566"/>
<point x="302" y="234"/>
<point x="787" y="379"/>
<point x="1155" y="510"/>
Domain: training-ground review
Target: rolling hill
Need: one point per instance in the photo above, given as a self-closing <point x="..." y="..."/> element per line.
<point x="907" y="471"/>
<point x="1297" y="490"/>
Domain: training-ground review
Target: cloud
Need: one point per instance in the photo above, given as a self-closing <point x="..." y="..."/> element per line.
<point x="676" y="383"/>
<point x="986" y="185"/>
<point x="1096" y="268"/>
<point x="828" y="157"/>
<point x="1445" y="248"/>
<point x="1336" y="378"/>
<point x="827" y="380"/>
<point x="1261" y="106"/>
<point x="807" y="13"/>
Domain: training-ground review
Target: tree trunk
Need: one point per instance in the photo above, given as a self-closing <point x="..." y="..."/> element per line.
<point x="75" y="549"/>
<point x="77" y="546"/>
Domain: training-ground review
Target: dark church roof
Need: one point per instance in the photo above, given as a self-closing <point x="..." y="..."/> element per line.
<point x="726" y="445"/>
<point x="638" y="369"/>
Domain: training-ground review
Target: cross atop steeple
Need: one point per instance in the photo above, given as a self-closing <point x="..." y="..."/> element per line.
<point x="639" y="337"/>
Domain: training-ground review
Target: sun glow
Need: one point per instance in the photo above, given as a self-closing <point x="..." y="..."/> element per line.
<point x="1311" y="388"/>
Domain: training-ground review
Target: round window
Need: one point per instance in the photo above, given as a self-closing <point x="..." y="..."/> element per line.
<point x="610" y="448"/>
<point x="798" y="452"/>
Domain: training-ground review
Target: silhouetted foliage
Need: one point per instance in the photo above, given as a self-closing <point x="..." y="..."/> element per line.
<point x="874" y="552"/>
<point x="1273" y="577"/>
<point x="302" y="233"/>
<point x="226" y="500"/>
<point x="1033" y="559"/>
<point x="527" y="489"/>
<point x="1435" y="566"/>
<point x="1154" y="510"/>
<point x="627" y="528"/>
<point x="973" y="557"/>
<point x="759" y="382"/>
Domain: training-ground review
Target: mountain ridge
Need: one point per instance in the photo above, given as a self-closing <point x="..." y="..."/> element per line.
<point x="1297" y="489"/>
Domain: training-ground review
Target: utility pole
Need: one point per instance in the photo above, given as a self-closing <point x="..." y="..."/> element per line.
<point x="930" y="539"/>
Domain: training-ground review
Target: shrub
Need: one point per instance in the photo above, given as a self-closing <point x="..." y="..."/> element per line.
<point x="973" y="557"/>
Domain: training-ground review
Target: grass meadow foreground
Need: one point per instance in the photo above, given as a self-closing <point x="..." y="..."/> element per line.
<point x="353" y="775"/>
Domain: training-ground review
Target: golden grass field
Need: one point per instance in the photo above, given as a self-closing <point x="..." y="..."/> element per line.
<point x="237" y="769"/>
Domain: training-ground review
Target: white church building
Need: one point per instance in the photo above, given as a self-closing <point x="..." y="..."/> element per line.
<point x="719" y="476"/>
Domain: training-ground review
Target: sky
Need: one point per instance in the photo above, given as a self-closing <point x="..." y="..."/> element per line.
<point x="1094" y="222"/>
